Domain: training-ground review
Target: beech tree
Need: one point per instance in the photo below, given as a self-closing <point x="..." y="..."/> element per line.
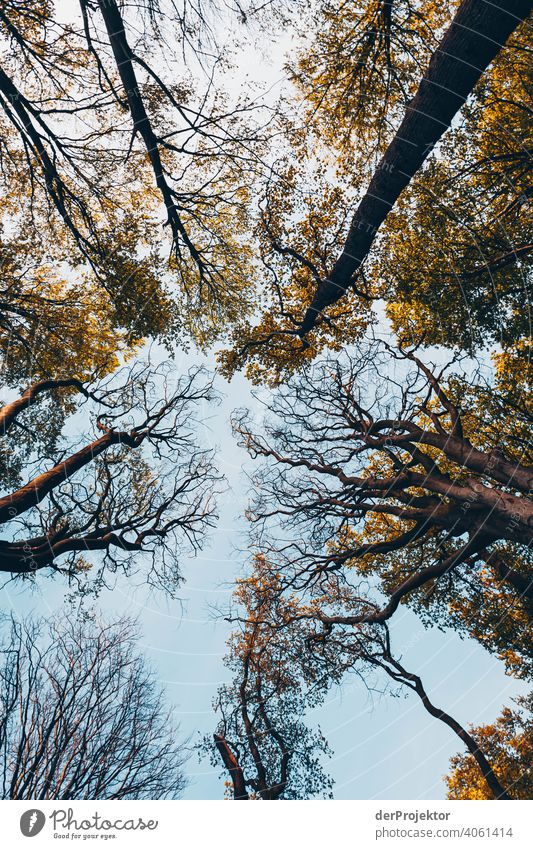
<point x="469" y="285"/>
<point x="133" y="493"/>
<point x="384" y="481"/>
<point x="392" y="187"/>
<point x="473" y="40"/>
<point x="289" y="650"/>
<point x="111" y="128"/>
<point x="381" y="96"/>
<point x="387" y="480"/>
<point x="417" y="480"/>
<point x="81" y="716"/>
<point x="262" y="737"/>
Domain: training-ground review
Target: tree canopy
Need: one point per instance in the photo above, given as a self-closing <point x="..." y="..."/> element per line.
<point x="357" y="243"/>
<point x="82" y="716"/>
<point x="394" y="472"/>
<point x="439" y="184"/>
<point x="398" y="483"/>
<point x="139" y="488"/>
<point x="115" y="162"/>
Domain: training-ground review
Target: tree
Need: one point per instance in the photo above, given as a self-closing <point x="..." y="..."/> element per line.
<point x="471" y="43"/>
<point x="96" y="143"/>
<point x="262" y="738"/>
<point x="466" y="282"/>
<point x="291" y="647"/>
<point x="405" y="478"/>
<point x="509" y="741"/>
<point x="82" y="717"/>
<point x="137" y="491"/>
<point x="141" y="202"/>
<point x="323" y="294"/>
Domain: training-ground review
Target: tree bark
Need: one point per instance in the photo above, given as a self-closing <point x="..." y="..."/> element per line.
<point x="523" y="584"/>
<point x="124" y="57"/>
<point x="474" y="38"/>
<point x="37" y="489"/>
<point x="232" y="765"/>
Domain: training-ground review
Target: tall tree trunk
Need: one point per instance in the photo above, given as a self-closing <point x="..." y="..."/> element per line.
<point x="232" y="765"/>
<point x="474" y="38"/>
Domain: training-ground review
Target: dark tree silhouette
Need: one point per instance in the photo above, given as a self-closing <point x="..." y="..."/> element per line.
<point x="116" y="116"/>
<point x="138" y="490"/>
<point x="262" y="736"/>
<point x="81" y="716"/>
<point x="401" y="475"/>
<point x="288" y="651"/>
<point x="429" y="129"/>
